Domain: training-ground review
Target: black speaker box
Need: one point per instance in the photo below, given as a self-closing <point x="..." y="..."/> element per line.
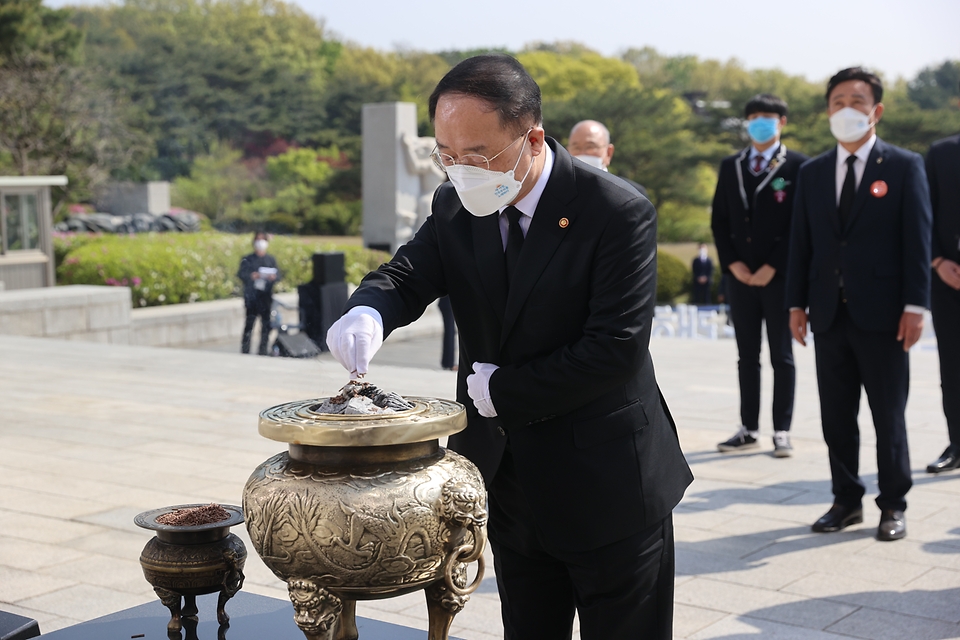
<point x="297" y="345"/>
<point x="320" y="307"/>
<point x="328" y="268"/>
<point x="14" y="627"/>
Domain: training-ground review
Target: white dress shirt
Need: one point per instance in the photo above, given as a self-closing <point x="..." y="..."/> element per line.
<point x="530" y="201"/>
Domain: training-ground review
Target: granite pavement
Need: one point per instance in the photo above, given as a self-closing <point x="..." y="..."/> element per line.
<point x="91" y="435"/>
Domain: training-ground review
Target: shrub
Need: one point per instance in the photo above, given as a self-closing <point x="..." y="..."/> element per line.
<point x="65" y="242"/>
<point x="175" y="268"/>
<point x="673" y="277"/>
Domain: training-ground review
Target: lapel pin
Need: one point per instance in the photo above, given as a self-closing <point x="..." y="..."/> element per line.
<point x="879" y="188"/>
<point x="880" y="160"/>
<point x="564" y="223"/>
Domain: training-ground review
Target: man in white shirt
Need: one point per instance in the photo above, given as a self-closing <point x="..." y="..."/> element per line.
<point x="860" y="264"/>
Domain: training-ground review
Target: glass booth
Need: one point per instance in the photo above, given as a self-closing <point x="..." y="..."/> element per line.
<point x="26" y="231"/>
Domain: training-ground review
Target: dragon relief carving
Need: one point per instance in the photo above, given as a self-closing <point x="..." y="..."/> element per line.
<point x="393" y="541"/>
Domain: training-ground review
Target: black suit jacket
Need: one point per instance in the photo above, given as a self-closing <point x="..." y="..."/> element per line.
<point x="754" y="228"/>
<point x="594" y="445"/>
<point x="943" y="174"/>
<point x="636" y="185"/>
<point x="702" y="268"/>
<point x="882" y="253"/>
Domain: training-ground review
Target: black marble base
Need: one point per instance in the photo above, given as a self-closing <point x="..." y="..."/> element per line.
<point x="252" y="617"/>
<point x="14" y="627"/>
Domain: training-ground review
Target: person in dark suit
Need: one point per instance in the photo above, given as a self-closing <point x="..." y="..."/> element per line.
<point x="258" y="272"/>
<point x="702" y="267"/>
<point x="589" y="142"/>
<point x="943" y="174"/>
<point x="860" y="262"/>
<point x="752" y="209"/>
<point x="550" y="266"/>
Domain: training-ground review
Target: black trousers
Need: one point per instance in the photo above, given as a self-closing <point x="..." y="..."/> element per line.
<point x="622" y="591"/>
<point x="449" y="333"/>
<point x="750" y="308"/>
<point x="848" y="358"/>
<point x="945" y="307"/>
<point x="701" y="292"/>
<point x="259" y="307"/>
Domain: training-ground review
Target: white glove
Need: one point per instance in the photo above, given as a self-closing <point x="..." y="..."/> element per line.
<point x="478" y="388"/>
<point x="355" y="338"/>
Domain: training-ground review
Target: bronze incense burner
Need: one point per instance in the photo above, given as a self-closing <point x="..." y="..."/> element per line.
<point x="364" y="507"/>
<point x="192" y="560"/>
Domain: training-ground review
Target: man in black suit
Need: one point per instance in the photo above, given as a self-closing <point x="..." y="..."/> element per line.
<point x="554" y="300"/>
<point x="702" y="267"/>
<point x="752" y="209"/>
<point x="589" y="142"/>
<point x="943" y="174"/>
<point x="860" y="261"/>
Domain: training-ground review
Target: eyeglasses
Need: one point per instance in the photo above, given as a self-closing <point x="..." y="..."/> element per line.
<point x="589" y="148"/>
<point x="443" y="160"/>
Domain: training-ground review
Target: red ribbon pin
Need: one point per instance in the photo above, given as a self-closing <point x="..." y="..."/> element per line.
<point x="878" y="189"/>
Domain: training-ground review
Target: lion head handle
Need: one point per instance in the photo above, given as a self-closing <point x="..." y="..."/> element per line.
<point x="316" y="610"/>
<point x="463" y="503"/>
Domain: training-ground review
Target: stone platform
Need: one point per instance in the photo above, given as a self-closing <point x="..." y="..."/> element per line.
<point x="92" y="434"/>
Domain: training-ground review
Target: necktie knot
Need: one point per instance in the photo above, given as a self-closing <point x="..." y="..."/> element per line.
<point x="850" y="160"/>
<point x="758" y="163"/>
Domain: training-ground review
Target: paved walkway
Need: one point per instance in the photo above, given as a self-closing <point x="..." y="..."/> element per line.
<point x="90" y="435"/>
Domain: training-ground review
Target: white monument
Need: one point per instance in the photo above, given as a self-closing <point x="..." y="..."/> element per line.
<point x="399" y="177"/>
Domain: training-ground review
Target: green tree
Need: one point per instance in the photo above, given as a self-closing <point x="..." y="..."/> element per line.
<point x="936" y="87"/>
<point x="218" y="185"/>
<point x="240" y="71"/>
<point x="30" y="30"/>
<point x="55" y="115"/>
<point x="573" y="70"/>
<point x="654" y="136"/>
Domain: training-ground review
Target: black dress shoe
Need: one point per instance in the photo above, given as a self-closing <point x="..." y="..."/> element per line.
<point x="948" y="461"/>
<point x="893" y="525"/>
<point x="838" y="518"/>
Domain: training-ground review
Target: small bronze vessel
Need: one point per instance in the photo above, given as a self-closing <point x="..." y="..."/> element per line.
<point x="189" y="561"/>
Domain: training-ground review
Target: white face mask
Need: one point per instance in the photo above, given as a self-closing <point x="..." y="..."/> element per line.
<point x="849" y="125"/>
<point x="593" y="161"/>
<point x="703" y="254"/>
<point x="483" y="192"/>
<point x="260" y="245"/>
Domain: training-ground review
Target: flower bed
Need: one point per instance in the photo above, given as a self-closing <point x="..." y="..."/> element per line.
<point x="175" y="268"/>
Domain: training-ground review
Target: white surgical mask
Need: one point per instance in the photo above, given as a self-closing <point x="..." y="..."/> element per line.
<point x="593" y="161"/>
<point x="849" y="125"/>
<point x="260" y="245"/>
<point x="483" y="192"/>
<point x="703" y="254"/>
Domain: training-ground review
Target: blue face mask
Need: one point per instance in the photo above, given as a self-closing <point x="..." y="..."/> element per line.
<point x="762" y="130"/>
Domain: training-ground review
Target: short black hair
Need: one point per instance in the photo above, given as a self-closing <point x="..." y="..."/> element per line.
<point x="499" y="80"/>
<point x="857" y="73"/>
<point x="257" y="234"/>
<point x="765" y="103"/>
